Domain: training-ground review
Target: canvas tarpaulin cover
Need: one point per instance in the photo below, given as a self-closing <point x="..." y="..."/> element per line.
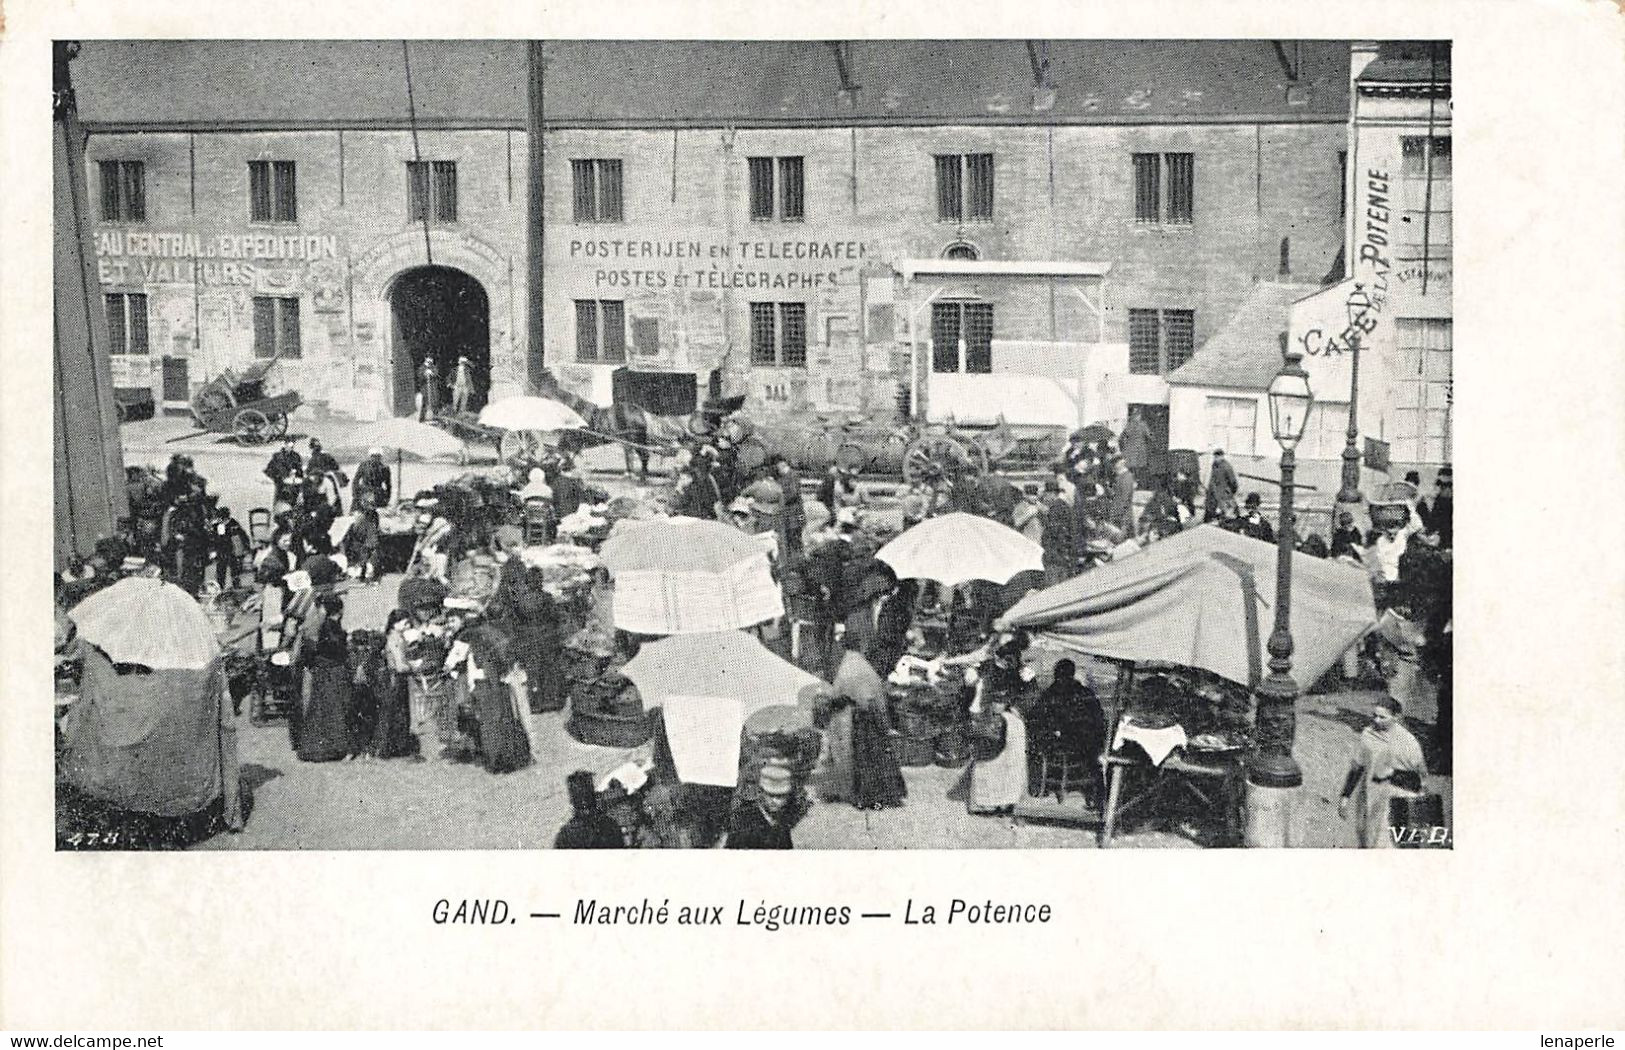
<point x="1203" y="598"/>
<point x="145" y="742"/>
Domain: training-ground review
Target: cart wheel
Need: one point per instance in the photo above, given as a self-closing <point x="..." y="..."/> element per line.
<point x="212" y="401"/>
<point x="851" y="457"/>
<point x="936" y="457"/>
<point x="279" y="424"/>
<point x="252" y="427"/>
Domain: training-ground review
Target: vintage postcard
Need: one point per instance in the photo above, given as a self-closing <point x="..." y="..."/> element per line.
<point x="866" y="438"/>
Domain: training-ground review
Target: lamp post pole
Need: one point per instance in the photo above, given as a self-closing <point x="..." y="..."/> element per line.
<point x="1273" y="774"/>
<point x="1350" y="490"/>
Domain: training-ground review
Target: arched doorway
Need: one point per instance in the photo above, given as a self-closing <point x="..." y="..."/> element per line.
<point x="441" y="313"/>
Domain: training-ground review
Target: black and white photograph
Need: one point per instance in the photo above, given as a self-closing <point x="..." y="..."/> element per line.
<point x="908" y="444"/>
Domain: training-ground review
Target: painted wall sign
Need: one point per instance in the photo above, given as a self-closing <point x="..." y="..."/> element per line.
<point x="128" y="257"/>
<point x="709" y="264"/>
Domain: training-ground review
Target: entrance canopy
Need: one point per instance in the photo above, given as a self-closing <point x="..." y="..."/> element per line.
<point x="1204" y="598"/>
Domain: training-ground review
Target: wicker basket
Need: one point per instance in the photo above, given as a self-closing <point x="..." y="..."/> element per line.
<point x="603" y="729"/>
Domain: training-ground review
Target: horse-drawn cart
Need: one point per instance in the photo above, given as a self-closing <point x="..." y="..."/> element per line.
<point x="237" y="404"/>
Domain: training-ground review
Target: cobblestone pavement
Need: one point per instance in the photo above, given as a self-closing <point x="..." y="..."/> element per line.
<point x="404" y="805"/>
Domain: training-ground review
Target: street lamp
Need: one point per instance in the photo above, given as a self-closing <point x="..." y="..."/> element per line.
<point x="1358" y="304"/>
<point x="1273" y="775"/>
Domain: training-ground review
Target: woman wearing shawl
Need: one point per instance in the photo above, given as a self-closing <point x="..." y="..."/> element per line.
<point x="392" y="725"/>
<point x="499" y="705"/>
<point x="321" y="726"/>
<point x="416" y="647"/>
<point x="861" y="767"/>
<point x="525" y="612"/>
<point x="1387" y="764"/>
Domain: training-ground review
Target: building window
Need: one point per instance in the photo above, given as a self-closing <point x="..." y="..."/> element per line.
<point x="961" y="250"/>
<point x="600" y="331"/>
<point x="127" y="323"/>
<point x="432" y="190"/>
<point x="1421" y="390"/>
<point x="596" y="186"/>
<point x="1159" y="341"/>
<point x="788" y="204"/>
<point x="965" y="187"/>
<point x="1425" y="198"/>
<point x="1232" y="424"/>
<point x="962" y="337"/>
<point x="778" y="335"/>
<point x="124" y="191"/>
<point x="1164" y="188"/>
<point x="276" y="326"/>
<point x="272" y="194"/>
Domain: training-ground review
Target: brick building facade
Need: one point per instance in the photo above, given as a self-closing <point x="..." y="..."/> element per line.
<point x="828" y="225"/>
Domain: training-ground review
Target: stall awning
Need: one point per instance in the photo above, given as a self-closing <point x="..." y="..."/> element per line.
<point x="1203" y="598"/>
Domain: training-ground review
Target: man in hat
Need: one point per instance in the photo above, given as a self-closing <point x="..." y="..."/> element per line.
<point x="1136" y="444"/>
<point x="462" y="385"/>
<point x="372" y="479"/>
<point x="1059" y="536"/>
<point x="764" y="822"/>
<point x="1387" y="764"/>
<point x="792" y="511"/>
<point x="428" y="389"/>
<point x="1122" y="495"/>
<point x="1441" y="520"/>
<point x="1346" y="538"/>
<point x="589" y="827"/>
<point x="286" y="471"/>
<point x="1252" y="522"/>
<point x="321" y="463"/>
<point x="1221" y="488"/>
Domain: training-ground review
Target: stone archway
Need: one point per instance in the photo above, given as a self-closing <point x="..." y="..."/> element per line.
<point x="441" y="314"/>
<point x="375" y="276"/>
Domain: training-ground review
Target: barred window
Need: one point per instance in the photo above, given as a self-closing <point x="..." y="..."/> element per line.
<point x="778" y="335"/>
<point x="777" y="181"/>
<point x="124" y="191"/>
<point x="1164" y="188"/>
<point x="127" y="323"/>
<point x="276" y="326"/>
<point x="596" y="186"/>
<point x="432" y="191"/>
<point x="1159" y="341"/>
<point x="1179" y="336"/>
<point x="1147" y="187"/>
<point x="962" y="337"/>
<point x="600" y="331"/>
<point x="964" y="187"/>
<point x="273" y="195"/>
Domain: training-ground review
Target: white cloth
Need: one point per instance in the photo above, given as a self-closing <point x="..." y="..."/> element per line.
<point x="703" y="732"/>
<point x="1158" y="743"/>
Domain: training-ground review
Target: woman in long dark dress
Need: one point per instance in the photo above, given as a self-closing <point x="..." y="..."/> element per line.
<point x="526" y="613"/>
<point x="392" y="727"/>
<point x="501" y="740"/>
<point x="862" y="768"/>
<point x="323" y="714"/>
<point x="896" y="616"/>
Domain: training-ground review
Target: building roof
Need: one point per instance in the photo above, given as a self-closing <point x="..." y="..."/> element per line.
<point x="314" y="83"/>
<point x="1245" y="353"/>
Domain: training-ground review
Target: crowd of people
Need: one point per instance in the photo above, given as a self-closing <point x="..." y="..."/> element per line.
<point x="452" y="677"/>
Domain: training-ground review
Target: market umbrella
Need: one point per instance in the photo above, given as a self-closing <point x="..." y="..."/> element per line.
<point x="143" y="620"/>
<point x="676" y="545"/>
<point x="1093" y="432"/>
<point x="407" y="437"/>
<point x="954" y="548"/>
<point x="530" y="413"/>
<point x="1199" y="599"/>
<point x="686" y="576"/>
<point x="708" y="686"/>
